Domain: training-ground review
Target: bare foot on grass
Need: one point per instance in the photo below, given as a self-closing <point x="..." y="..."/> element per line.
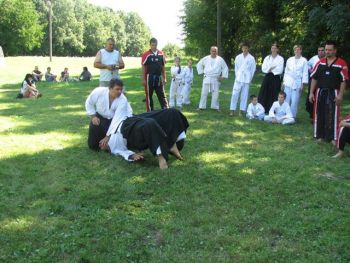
<point x="162" y="162"/>
<point x="339" y="155"/>
<point x="174" y="150"/>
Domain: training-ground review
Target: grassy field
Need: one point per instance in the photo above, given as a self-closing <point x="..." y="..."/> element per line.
<point x="246" y="192"/>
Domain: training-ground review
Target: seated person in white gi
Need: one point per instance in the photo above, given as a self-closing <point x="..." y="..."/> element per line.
<point x="162" y="131"/>
<point x="177" y="83"/>
<point x="255" y="109"/>
<point x="280" y="111"/>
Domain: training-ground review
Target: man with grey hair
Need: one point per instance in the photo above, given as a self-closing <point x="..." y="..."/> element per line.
<point x="109" y="61"/>
<point x="215" y="70"/>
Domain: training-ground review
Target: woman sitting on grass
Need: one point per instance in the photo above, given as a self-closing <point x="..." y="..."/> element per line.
<point x="28" y="88"/>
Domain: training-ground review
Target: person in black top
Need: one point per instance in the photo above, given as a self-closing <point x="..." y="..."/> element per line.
<point x="153" y="75"/>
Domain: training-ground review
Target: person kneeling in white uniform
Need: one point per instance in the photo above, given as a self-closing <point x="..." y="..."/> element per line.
<point x="255" y="110"/>
<point x="280" y="111"/>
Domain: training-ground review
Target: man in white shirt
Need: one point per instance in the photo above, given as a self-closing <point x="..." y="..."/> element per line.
<point x="295" y="76"/>
<point x="215" y="70"/>
<point x="109" y="61"/>
<point x="106" y="108"/>
<point x="245" y="66"/>
<point x="280" y="111"/>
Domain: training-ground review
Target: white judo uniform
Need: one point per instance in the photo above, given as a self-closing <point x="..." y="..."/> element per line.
<point x="295" y="75"/>
<point x="244" y="71"/>
<point x="212" y="68"/>
<point x="176" y="86"/>
<point x="256" y="111"/>
<point x="281" y="113"/>
<point x="186" y="90"/>
<point x="312" y="62"/>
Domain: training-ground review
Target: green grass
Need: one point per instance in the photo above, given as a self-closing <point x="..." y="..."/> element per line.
<point x="246" y="192"/>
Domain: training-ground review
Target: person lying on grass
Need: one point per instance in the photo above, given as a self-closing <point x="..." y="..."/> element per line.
<point x="161" y="131"/>
<point x="28" y="89"/>
<point x="343" y="136"/>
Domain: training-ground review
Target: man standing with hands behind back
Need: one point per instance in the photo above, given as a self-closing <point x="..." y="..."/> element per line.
<point x="153" y="75"/>
<point x="109" y="61"/>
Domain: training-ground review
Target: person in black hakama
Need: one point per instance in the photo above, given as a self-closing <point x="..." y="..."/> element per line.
<point x="343" y="136"/>
<point x="273" y="68"/>
<point x="161" y="131"/>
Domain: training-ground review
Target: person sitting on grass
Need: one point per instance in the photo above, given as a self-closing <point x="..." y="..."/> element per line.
<point x="161" y="131"/>
<point x="280" y="111"/>
<point x="37" y="74"/>
<point x="64" y="75"/>
<point x="85" y="75"/>
<point x="343" y="136"/>
<point x="255" y="110"/>
<point x="28" y="89"/>
<point x="49" y="76"/>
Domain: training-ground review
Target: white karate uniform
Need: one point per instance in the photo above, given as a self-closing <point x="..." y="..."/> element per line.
<point x="186" y="90"/>
<point x="281" y="113"/>
<point x="255" y="111"/>
<point x="295" y="74"/>
<point x="312" y="62"/>
<point x="212" y="68"/>
<point x="98" y="102"/>
<point x="177" y="83"/>
<point x="117" y="145"/>
<point x="244" y="70"/>
<point x="270" y="61"/>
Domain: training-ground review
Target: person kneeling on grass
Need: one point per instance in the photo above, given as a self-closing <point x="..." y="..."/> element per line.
<point x="343" y="136"/>
<point x="280" y="111"/>
<point x="162" y="131"/>
<point x="255" y="110"/>
<point x="28" y="89"/>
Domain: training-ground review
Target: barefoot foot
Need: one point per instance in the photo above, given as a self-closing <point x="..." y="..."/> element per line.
<point x="162" y="162"/>
<point x="174" y="150"/>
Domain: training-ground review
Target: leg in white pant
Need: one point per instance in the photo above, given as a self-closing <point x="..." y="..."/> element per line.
<point x="179" y="97"/>
<point x="186" y="90"/>
<point x="288" y="121"/>
<point x="172" y="94"/>
<point x="267" y="118"/>
<point x="215" y="97"/>
<point x="244" y="96"/>
<point x="288" y="92"/>
<point x="295" y="102"/>
<point x="204" y="95"/>
<point x="237" y="86"/>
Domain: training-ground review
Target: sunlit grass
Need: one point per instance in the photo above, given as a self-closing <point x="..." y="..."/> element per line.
<point x="246" y="191"/>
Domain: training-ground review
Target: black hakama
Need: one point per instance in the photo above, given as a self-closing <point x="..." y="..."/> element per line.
<point x="269" y="90"/>
<point x="154" y="129"/>
<point x="98" y="132"/>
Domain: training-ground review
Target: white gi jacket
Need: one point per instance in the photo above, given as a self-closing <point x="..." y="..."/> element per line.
<point x="296" y="73"/>
<point x="280" y="111"/>
<point x="255" y="110"/>
<point x="244" y="68"/>
<point x="270" y="62"/>
<point x="212" y="68"/>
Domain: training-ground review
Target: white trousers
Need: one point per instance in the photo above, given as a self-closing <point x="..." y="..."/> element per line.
<point x="292" y="98"/>
<point x="243" y="88"/>
<point x="175" y="93"/>
<point x="283" y="122"/>
<point x="212" y="86"/>
<point x="186" y="91"/>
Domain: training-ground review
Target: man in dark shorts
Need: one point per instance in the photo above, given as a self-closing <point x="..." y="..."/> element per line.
<point x="329" y="78"/>
<point x="153" y="75"/>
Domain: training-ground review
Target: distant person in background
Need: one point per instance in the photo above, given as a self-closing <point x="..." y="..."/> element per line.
<point x="49" y="76"/>
<point x="255" y="110"/>
<point x="109" y="61"/>
<point x="28" y="89"/>
<point x="311" y="64"/>
<point x="2" y="57"/>
<point x="85" y="75"/>
<point x="215" y="70"/>
<point x="245" y="66"/>
<point x="153" y="75"/>
<point x="295" y="76"/>
<point x="64" y="75"/>
<point x="188" y="82"/>
<point x="272" y="66"/>
<point x="37" y="74"/>
<point x="343" y="136"/>
<point x="280" y="111"/>
<point x="177" y="82"/>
